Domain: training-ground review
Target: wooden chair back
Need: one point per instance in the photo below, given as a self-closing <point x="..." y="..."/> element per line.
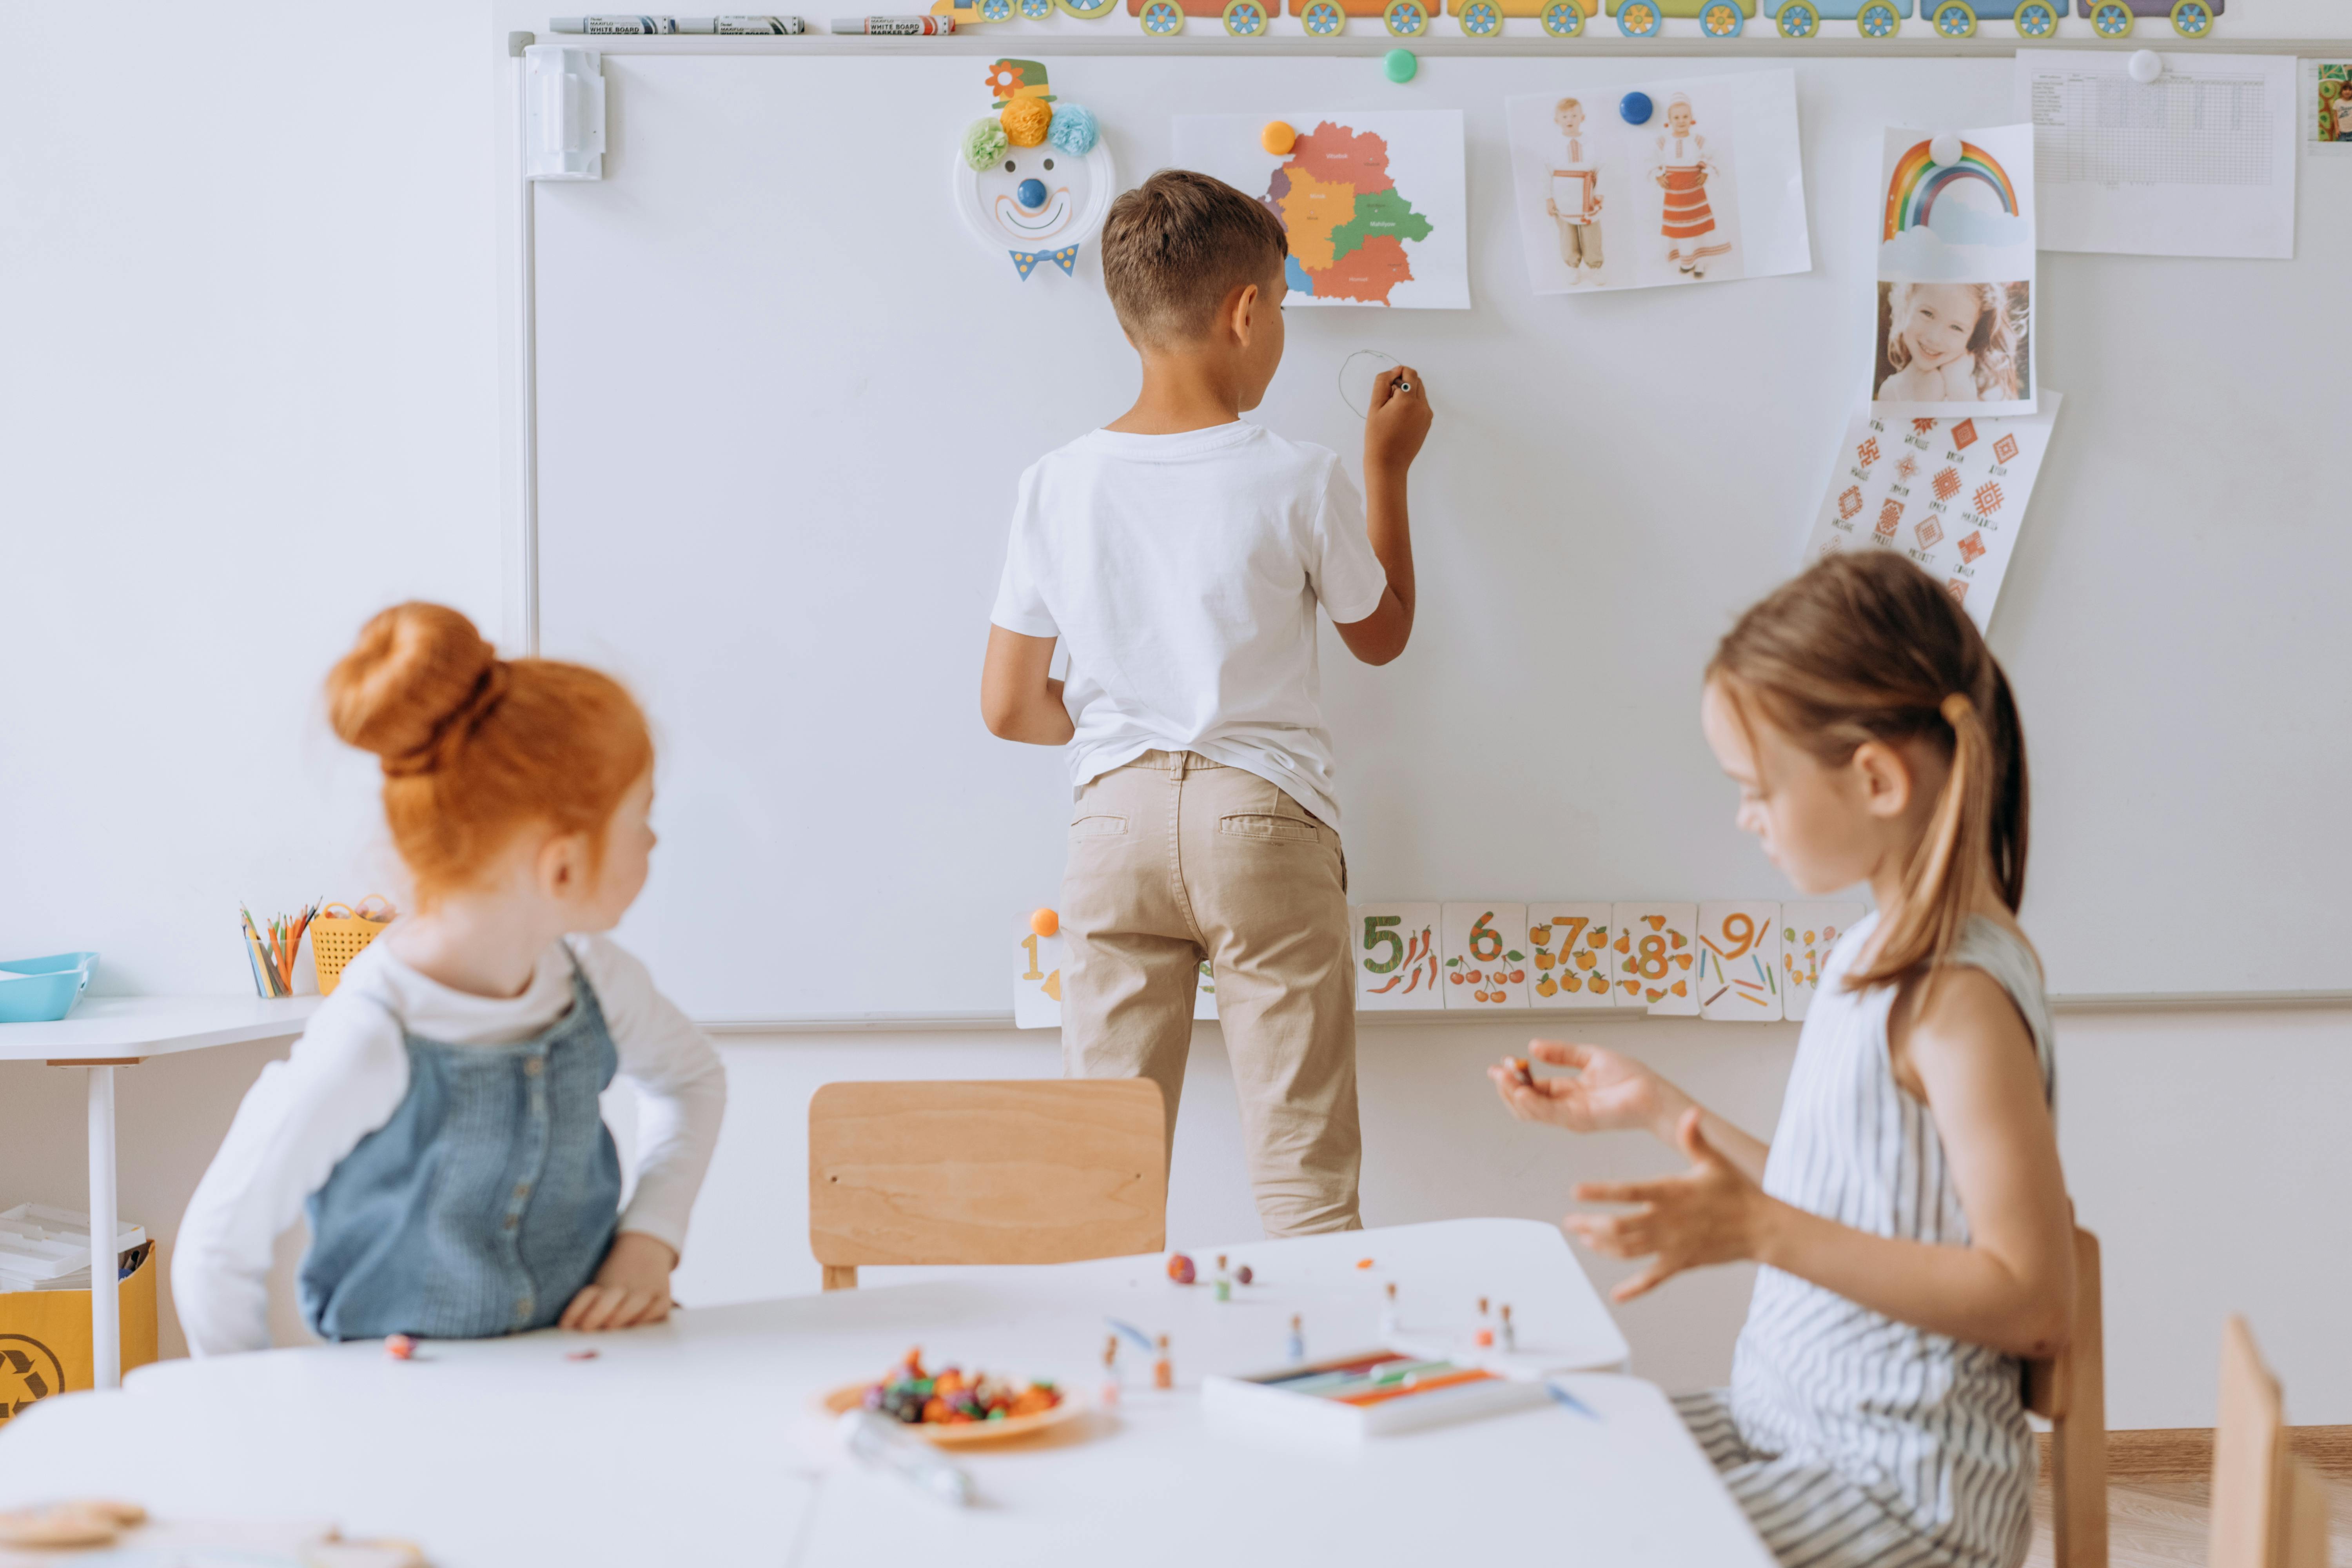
<point x="2270" y="1508"/>
<point x="2071" y="1390"/>
<point x="1034" y="1171"/>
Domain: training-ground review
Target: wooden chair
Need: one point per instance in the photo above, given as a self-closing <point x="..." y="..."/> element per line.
<point x="1040" y="1171"/>
<point x="2270" y="1508"/>
<point x="2070" y="1389"/>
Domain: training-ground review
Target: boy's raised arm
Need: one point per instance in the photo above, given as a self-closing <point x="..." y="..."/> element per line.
<point x="1019" y="701"/>
<point x="1393" y="437"/>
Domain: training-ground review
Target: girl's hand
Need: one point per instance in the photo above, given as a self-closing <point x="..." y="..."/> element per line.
<point x="1712" y="1213"/>
<point x="632" y="1288"/>
<point x="1609" y="1093"/>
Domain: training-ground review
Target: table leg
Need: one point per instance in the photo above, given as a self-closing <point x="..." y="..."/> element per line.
<point x="105" y="1298"/>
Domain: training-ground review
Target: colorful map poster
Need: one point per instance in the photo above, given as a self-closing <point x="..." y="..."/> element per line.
<point x="1372" y="201"/>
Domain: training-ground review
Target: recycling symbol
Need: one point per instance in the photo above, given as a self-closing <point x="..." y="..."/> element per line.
<point x="28" y="1372"/>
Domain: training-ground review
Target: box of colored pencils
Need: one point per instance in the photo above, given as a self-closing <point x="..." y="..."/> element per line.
<point x="271" y="947"/>
<point x="1361" y="1395"/>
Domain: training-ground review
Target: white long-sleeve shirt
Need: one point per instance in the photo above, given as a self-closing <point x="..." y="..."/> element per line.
<point x="349" y="1073"/>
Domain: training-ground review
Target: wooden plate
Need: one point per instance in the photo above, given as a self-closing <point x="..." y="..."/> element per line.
<point x="964" y="1434"/>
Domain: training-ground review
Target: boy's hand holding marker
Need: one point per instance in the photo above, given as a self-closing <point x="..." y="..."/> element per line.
<point x="1397" y="424"/>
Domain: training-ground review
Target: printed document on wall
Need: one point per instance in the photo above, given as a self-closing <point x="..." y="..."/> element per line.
<point x="2199" y="162"/>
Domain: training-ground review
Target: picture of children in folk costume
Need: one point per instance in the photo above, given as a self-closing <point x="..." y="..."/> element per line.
<point x="1575" y="200"/>
<point x="1681" y="166"/>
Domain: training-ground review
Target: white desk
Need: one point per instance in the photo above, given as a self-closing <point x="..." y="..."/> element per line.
<point x="108" y="1032"/>
<point x="693" y="1441"/>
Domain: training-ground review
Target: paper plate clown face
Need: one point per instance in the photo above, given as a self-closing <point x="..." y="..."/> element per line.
<point x="1034" y="179"/>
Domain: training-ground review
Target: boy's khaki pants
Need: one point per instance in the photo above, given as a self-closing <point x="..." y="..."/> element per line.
<point x="1173" y="859"/>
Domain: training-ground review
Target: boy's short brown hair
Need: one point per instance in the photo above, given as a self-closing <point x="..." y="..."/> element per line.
<point x="1175" y="246"/>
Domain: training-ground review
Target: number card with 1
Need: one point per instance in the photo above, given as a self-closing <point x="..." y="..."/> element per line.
<point x="1808" y="931"/>
<point x="1657" y="957"/>
<point x="1738" y="969"/>
<point x="1570" y="947"/>
<point x="1396" y="956"/>
<point x="1036" y="980"/>
<point x="1485" y="955"/>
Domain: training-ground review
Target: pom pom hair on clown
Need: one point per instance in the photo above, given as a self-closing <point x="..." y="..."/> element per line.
<point x="1034" y="179"/>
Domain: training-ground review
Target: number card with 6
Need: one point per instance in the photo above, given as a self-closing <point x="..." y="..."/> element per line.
<point x="1808" y="931"/>
<point x="1485" y="955"/>
<point x="1037" y="972"/>
<point x="1657" y="957"/>
<point x="1396" y="956"/>
<point x="1739" y="968"/>
<point x="1571" y="948"/>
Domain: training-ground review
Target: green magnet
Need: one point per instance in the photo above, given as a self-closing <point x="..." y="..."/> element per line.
<point x="1400" y="65"/>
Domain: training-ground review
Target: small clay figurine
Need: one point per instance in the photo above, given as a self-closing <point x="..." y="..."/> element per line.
<point x="1180" y="1268"/>
<point x="1298" y="1346"/>
<point x="1242" y="1274"/>
<point x="1485" y="1338"/>
<point x="1110" y="1371"/>
<point x="1388" y="1312"/>
<point x="1163" y="1372"/>
<point x="1224" y="1285"/>
<point x="1510" y="1335"/>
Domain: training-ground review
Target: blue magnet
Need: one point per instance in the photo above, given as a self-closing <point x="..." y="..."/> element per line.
<point x="1636" y="108"/>
<point x="1030" y="194"/>
<point x="1400" y="65"/>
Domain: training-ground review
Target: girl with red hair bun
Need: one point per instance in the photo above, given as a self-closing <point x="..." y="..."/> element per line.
<point x="438" y="1122"/>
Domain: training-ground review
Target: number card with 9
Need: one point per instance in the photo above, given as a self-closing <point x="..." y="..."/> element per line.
<point x="1739" y="968"/>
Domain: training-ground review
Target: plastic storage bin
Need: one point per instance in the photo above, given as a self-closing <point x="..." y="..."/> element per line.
<point x="43" y="990"/>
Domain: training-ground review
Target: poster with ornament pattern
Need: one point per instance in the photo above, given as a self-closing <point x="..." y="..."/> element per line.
<point x="1949" y="493"/>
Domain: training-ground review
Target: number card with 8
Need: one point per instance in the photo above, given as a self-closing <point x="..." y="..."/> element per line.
<point x="1395" y="947"/>
<point x="1485" y="955"/>
<point x="1570" y="946"/>
<point x="1657" y="957"/>
<point x="1739" y="968"/>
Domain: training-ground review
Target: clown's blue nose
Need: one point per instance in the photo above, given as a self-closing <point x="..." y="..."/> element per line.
<point x="1030" y="194"/>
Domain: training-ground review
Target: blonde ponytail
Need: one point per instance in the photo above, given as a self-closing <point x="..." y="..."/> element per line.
<point x="1865" y="647"/>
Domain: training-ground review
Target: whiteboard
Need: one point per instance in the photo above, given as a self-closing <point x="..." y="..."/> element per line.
<point x="783" y="401"/>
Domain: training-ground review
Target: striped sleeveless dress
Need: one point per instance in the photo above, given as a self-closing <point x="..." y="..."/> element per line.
<point x="1848" y="1437"/>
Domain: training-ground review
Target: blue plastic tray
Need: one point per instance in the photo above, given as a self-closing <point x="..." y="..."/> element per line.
<point x="43" y="990"/>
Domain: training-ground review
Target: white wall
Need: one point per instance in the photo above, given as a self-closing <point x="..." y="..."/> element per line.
<point x="249" y="393"/>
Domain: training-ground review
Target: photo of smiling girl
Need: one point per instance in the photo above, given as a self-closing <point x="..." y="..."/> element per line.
<point x="1942" y="343"/>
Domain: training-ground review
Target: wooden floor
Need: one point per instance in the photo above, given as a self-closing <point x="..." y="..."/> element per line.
<point x="2156" y="1504"/>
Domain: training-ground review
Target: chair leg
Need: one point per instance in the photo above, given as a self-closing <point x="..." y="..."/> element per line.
<point x="2078" y="1443"/>
<point x="838" y="1278"/>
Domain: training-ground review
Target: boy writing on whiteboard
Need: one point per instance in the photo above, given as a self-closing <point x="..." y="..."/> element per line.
<point x="1180" y="553"/>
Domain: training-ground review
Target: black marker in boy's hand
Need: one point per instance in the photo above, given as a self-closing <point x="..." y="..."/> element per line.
<point x="1399" y="421"/>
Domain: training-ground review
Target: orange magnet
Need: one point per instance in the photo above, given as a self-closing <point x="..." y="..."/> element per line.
<point x="1044" y="922"/>
<point x="1278" y="138"/>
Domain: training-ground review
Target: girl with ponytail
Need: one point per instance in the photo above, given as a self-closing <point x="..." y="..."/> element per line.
<point x="1910" y="1214"/>
<point x="438" y="1121"/>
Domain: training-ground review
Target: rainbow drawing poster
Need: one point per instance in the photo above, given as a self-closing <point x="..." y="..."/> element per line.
<point x="1955" y="285"/>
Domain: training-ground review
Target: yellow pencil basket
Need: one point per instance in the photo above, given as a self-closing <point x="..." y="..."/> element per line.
<point x="340" y="932"/>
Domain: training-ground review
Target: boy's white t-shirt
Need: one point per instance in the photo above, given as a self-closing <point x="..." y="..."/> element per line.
<point x="1181" y="574"/>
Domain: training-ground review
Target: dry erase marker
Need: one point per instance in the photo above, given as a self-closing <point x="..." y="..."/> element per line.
<point x="894" y="27"/>
<point x="613" y="26"/>
<point x="744" y="27"/>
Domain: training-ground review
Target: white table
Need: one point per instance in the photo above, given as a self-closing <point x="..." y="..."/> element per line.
<point x="106" y="1032"/>
<point x="694" y="1441"/>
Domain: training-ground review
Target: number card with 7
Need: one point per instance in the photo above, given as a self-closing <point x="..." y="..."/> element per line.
<point x="1395" y="947"/>
<point x="1570" y="947"/>
<point x="1739" y="967"/>
<point x="1485" y="955"/>
<point x="1037" y="973"/>
<point x="1655" y="957"/>
<point x="1808" y="931"/>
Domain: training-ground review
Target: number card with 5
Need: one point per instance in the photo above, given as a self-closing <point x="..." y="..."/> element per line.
<point x="1037" y="973"/>
<point x="1485" y="955"/>
<point x="1808" y="931"/>
<point x="1396" y="956"/>
<point x="1655" y="957"/>
<point x="1570" y="945"/>
<point x="1739" y="960"/>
